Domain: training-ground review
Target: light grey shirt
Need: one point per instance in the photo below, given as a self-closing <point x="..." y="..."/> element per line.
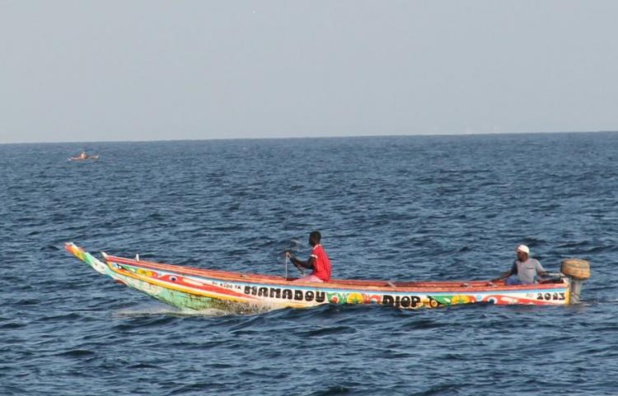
<point x="527" y="271"/>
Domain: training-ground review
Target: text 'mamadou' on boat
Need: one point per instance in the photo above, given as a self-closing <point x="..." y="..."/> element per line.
<point x="199" y="289"/>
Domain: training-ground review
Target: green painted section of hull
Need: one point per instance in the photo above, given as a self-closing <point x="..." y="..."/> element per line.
<point x="193" y="302"/>
<point x="171" y="297"/>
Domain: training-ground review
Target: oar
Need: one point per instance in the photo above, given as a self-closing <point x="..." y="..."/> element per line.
<point x="287" y="260"/>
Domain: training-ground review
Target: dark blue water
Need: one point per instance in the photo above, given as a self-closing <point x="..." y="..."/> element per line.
<point x="398" y="208"/>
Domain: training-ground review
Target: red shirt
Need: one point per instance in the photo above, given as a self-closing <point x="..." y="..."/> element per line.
<point x="321" y="263"/>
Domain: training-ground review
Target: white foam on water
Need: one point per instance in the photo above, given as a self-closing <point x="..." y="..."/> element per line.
<point x="157" y="310"/>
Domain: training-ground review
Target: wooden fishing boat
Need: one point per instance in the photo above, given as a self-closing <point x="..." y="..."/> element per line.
<point x="199" y="289"/>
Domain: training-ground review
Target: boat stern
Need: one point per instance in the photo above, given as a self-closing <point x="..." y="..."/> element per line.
<point x="577" y="271"/>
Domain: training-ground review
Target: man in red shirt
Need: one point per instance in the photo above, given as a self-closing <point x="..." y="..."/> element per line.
<point x="318" y="261"/>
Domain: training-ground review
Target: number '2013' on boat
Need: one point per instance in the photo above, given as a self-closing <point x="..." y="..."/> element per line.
<point x="200" y="289"/>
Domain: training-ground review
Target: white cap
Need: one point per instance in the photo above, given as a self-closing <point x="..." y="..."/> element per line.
<point x="523" y="248"/>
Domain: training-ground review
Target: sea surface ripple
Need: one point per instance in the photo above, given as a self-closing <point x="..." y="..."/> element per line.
<point x="396" y="208"/>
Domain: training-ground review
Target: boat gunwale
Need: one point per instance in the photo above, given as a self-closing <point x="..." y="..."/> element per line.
<point x="343" y="284"/>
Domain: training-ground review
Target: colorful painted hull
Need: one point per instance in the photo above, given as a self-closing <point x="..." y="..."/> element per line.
<point x="199" y="289"/>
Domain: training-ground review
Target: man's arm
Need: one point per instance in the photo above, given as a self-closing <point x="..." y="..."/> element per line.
<point x="508" y="273"/>
<point x="300" y="263"/>
<point x="539" y="269"/>
<point x="504" y="275"/>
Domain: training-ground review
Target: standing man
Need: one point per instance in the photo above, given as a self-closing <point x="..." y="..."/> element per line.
<point x="525" y="270"/>
<point x="318" y="261"/>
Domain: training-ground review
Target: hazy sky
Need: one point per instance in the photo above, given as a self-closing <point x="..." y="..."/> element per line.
<point x="157" y="70"/>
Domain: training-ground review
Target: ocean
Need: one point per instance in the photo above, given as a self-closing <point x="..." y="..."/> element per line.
<point x="394" y="208"/>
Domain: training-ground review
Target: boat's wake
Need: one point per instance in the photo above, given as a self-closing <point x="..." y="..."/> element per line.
<point x="171" y="311"/>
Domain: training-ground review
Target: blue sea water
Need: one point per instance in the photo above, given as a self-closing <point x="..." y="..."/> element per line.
<point x="397" y="208"/>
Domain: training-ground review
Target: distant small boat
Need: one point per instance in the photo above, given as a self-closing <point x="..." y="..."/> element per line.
<point x="84" y="157"/>
<point x="199" y="289"/>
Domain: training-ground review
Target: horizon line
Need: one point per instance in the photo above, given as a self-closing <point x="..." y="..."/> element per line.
<point x="306" y="137"/>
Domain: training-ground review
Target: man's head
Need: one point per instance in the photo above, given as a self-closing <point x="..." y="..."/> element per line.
<point x="522" y="252"/>
<point x="314" y="238"/>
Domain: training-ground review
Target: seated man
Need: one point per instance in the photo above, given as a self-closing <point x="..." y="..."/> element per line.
<point x="318" y="261"/>
<point x="525" y="270"/>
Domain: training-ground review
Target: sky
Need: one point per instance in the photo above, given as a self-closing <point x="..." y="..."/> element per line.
<point x="140" y="70"/>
